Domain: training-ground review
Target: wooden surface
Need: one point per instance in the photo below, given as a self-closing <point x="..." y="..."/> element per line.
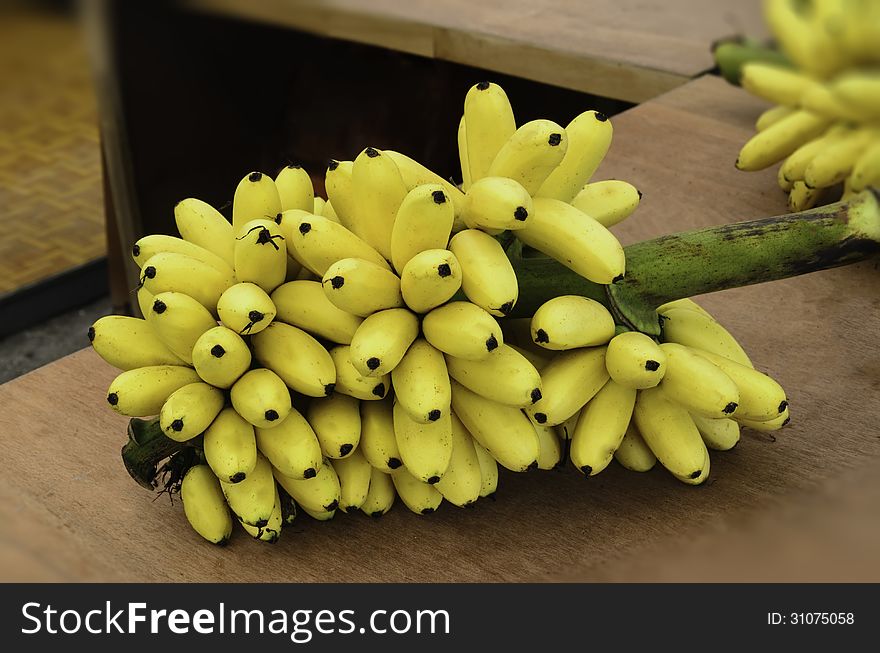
<point x="624" y="49"/>
<point x="803" y="507"/>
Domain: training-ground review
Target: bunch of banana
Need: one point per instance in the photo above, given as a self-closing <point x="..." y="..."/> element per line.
<point x="825" y="125"/>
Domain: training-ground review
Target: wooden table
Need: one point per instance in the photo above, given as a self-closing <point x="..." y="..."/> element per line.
<point x="803" y="507"/>
<point x="623" y="49"/>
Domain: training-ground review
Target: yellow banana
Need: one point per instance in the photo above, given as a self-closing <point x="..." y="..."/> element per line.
<point x="380" y="497"/>
<point x="835" y="162"/>
<point x="772" y="115"/>
<point x="378" y="442"/>
<point x="488" y="279"/>
<point x="246" y="308"/>
<point x="295" y="190"/>
<point x="261" y="397"/>
<point x="490" y="121"/>
<point x="462" y="482"/>
<point x="201" y="224"/>
<point x="506" y="376"/>
<point x="379" y="188"/>
<point x="170" y="272"/>
<point x="261" y="255"/>
<point x="569" y="322"/>
<point x="340" y="191"/>
<point x="775" y="83"/>
<point x="803" y="197"/>
<point x="794" y="167"/>
<point x="336" y="421"/>
<point x="146" y="247"/>
<point x="496" y="203"/>
<point x="859" y="90"/>
<point x="381" y="341"/>
<point x="760" y="397"/>
<point x="292" y="447"/>
<point x="702" y="331"/>
<point x="230" y="447"/>
<point x="601" y="427"/>
<point x="145" y="301"/>
<point x="256" y="198"/>
<point x="415" y="174"/>
<point x="221" y="356"/>
<point x="429" y="279"/>
<point x="634" y="360"/>
<point x="421" y="383"/>
<point x="252" y="500"/>
<point x="319" y="205"/>
<point x="704" y="474"/>
<point x="463" y="330"/>
<point x="271" y="532"/>
<point x="189" y="411"/>
<point x="608" y="202"/>
<point x="204" y="505"/>
<point x="633" y="453"/>
<point x="463" y="155"/>
<point x="582" y="369"/>
<point x="143" y="391"/>
<point x="295" y="356"/>
<point x="589" y="137"/>
<point x="671" y="434"/>
<point x="317" y="495"/>
<point x="317" y="243"/>
<point x="303" y="304"/>
<point x="178" y="320"/>
<point x="360" y="287"/>
<point x="696" y="384"/>
<point x="320" y="515"/>
<point x="530" y="154"/>
<point x="128" y="343"/>
<point x="770" y="425"/>
<point x="866" y="171"/>
<point x="488" y="469"/>
<point x="780" y="139"/>
<point x="549" y="447"/>
<point x="425" y="449"/>
<point x="718" y="434"/>
<point x="424" y="221"/>
<point x="420" y="497"/>
<point x="354" y="474"/>
<point x="354" y="384"/>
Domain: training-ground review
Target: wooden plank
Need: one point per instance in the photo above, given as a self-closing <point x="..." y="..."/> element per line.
<point x="623" y="49"/>
<point x="71" y="513"/>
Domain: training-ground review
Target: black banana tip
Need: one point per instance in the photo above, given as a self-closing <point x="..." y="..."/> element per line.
<point x="433" y="480"/>
<point x="337" y="282"/>
<point x="136" y="250"/>
<point x="729" y="408"/>
<point x="541" y="418"/>
<point x="379" y="390"/>
<point x="159" y="306"/>
<point x="507" y="307"/>
<point x="652" y="365"/>
<point x="255" y="316"/>
<point x="345" y="449"/>
<point x="427" y="511"/>
<point x="238" y="477"/>
<point x="373" y="363"/>
<point x="520" y="214"/>
<point x="371" y="152"/>
<point x="217" y="351"/>
<point x="113" y="399"/>
<point x="482" y="86"/>
<point x="305" y="228"/>
<point x="255" y="177"/>
<point x="91" y="334"/>
<point x="177" y="425"/>
<point x="333" y="505"/>
<point x="332" y="164"/>
<point x="695" y="474"/>
<point x="439" y="197"/>
<point x="587" y="470"/>
<point x="311" y="472"/>
<point x="271" y="415"/>
<point x="491" y="343"/>
<point x="783" y="405"/>
<point x="434" y="415"/>
<point x="601" y="117"/>
<point x="554" y="140"/>
<point x="394" y="463"/>
<point x="329" y="388"/>
<point x="536" y="395"/>
<point x="444" y="270"/>
<point x="541" y="336"/>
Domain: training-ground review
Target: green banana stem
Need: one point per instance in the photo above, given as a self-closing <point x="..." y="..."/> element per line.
<point x="147" y="446"/>
<point x="708" y="260"/>
<point x="732" y="54"/>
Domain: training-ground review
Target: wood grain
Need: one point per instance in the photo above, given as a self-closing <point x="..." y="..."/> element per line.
<point x="801" y="507"/>
<point x="624" y="49"/>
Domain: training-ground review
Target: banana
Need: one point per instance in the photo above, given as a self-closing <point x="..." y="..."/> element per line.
<point x="583" y="369"/>
<point x="201" y="224"/>
<point x="295" y="190"/>
<point x="378" y="442"/>
<point x="795" y="165"/>
<point x="292" y="447"/>
<point x="340" y="191"/>
<point x="488" y="470"/>
<point x="170" y="272"/>
<point x="189" y="410"/>
<point x="701" y="331"/>
<point x="256" y="198"/>
<point x="380" y="497"/>
<point x="717" y="434"/>
<point x="502" y="430"/>
<point x="803" y="197"/>
<point x="261" y="397"/>
<point x="463" y="155"/>
<point x="689" y="304"/>
<point x="775" y="83"/>
<point x="317" y="243"/>
<point x="421" y="383"/>
<point x="295" y="356"/>
<point x="859" y="90"/>
<point x="608" y="202"/>
<point x="336" y="421"/>
<point x="633" y="453"/>
<point x="148" y="246"/>
<point x="246" y="308"/>
<point x="487" y="277"/>
<point x="261" y="255"/>
<point x="574" y="239"/>
<point x="271" y="532"/>
<point x="379" y="188"/>
<point x="549" y="447"/>
<point x="204" y="505"/>
<point x="415" y="174"/>
<point x="420" y="497"/>
<point x="696" y="384"/>
<point x="566" y="429"/>
<point x="569" y="322"/>
<point x="506" y="376"/>
<point x="143" y="391"/>
<point x="252" y="500"/>
<point x="530" y="154"/>
<point x="354" y="474"/>
<point x="288" y="506"/>
<point x="429" y="279"/>
<point x="589" y="137"/>
<point x="360" y="287"/>
<point x="319" y="494"/>
<point x="179" y="320"/>
<point x="866" y="171"/>
<point x="230" y="447"/>
<point x="704" y="474"/>
<point x="463" y="330"/>
<point x="319" y="205"/>
<point x="381" y="341"/>
<point x="770" y="425"/>
<point x="221" y="356"/>
<point x="128" y="343"/>
<point x="496" y="203"/>
<point x="780" y="140"/>
<point x="425" y="448"/>
<point x="320" y="515"/>
<point x="601" y="427"/>
<point x="352" y="383"/>
<point x="835" y="162"/>
<point x="462" y="482"/>
<point x="634" y="360"/>
<point x="538" y="357"/>
<point x="303" y="304"/>
<point x="820" y="100"/>
<point x="671" y="434"/>
<point x="772" y="115"/>
<point x="424" y="221"/>
<point x="760" y="398"/>
<point x="144" y="300"/>
<point x="490" y="123"/>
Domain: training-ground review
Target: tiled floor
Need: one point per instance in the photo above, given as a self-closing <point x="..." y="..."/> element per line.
<point x="51" y="211"/>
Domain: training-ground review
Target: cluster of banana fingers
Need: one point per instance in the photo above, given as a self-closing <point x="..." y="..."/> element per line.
<point x="825" y="127"/>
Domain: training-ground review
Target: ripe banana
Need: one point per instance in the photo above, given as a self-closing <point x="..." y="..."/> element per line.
<point x="859" y="91"/>
<point x="271" y="532"/>
<point x="381" y="341"/>
<point x="230" y="447"/>
<point x="420" y="497"/>
<point x="770" y="425"/>
<point x="415" y="174"/>
<point x="295" y="190"/>
<point x="256" y="198"/>
<point x="380" y="497"/>
<point x="143" y="391"/>
<point x="379" y="188"/>
<point x="463" y="155"/>
<point x="836" y="160"/>
<point x="246" y="308"/>
<point x="569" y="322"/>
<point x="803" y="197"/>
<point x="549" y="447"/>
<point x="336" y="421"/>
<point x="583" y="369"/>
<point x="340" y="191"/>
<point x="178" y="320"/>
<point x="170" y="272"/>
<point x="490" y="123"/>
<point x="633" y="453"/>
<point x="775" y="83"/>
<point x="488" y="279"/>
<point x="425" y="448"/>
<point x="204" y="505"/>
<point x="320" y="515"/>
<point x="772" y="115"/>
<point x="148" y="246"/>
<point x="429" y="279"/>
<point x="316" y="495"/>
<point x="488" y="470"/>
<point x="354" y="384"/>
<point x="295" y="356"/>
<point x="424" y="221"/>
<point x="304" y="304"/>
<point x="671" y="434"/>
<point x="189" y="410"/>
<point x="502" y="430"/>
<point x="506" y="376"/>
<point x="496" y="203"/>
<point x="781" y="139"/>
<point x="697" y="384"/>
<point x="574" y="239"/>
<point x="354" y="474"/>
<point x="128" y="343"/>
<point x="866" y="171"/>
<point x="718" y="434"/>
<point x="317" y="243"/>
<point x="201" y="224"/>
<point x="701" y="331"/>
<point x="460" y="485"/>
<point x="704" y="474"/>
<point x="221" y="356"/>
<point x="144" y="300"/>
<point x="463" y="330"/>
<point x="589" y="137"/>
<point x="421" y="383"/>
<point x="601" y="427"/>
<point x="361" y="287"/>
<point x="261" y="255"/>
<point x="261" y="397"/>
<point x="608" y="202"/>
<point x="378" y="442"/>
<point x="292" y="447"/>
<point x="634" y="360"/>
<point x="760" y="397"/>
<point x="252" y="500"/>
<point x="530" y="154"/>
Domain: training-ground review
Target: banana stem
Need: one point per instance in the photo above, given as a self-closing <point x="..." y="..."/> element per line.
<point x="708" y="260"/>
<point x="147" y="446"/>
